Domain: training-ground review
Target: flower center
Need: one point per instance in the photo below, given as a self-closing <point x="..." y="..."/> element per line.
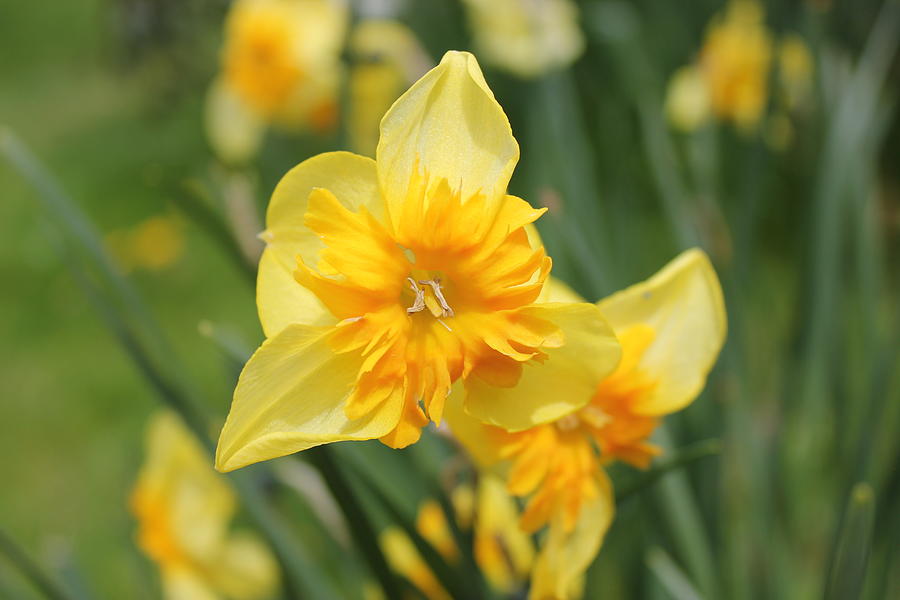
<point x="429" y="296"/>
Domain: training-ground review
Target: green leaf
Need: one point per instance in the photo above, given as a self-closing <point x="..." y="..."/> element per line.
<point x="31" y="570"/>
<point x="458" y="586"/>
<point x="670" y="575"/>
<point x="850" y="555"/>
<point x="681" y="458"/>
<point x="364" y="534"/>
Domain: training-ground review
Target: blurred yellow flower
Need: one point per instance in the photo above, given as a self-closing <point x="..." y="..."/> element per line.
<point x="732" y="72"/>
<point x="502" y="551"/>
<point x="795" y="70"/>
<point x="402" y="556"/>
<point x="735" y="61"/>
<point x="387" y="59"/>
<point x="526" y="37"/>
<point x="154" y="244"/>
<point x="731" y="77"/>
<point x="687" y="100"/>
<point x="183" y="508"/>
<point x="280" y="66"/>
<point x="671" y="328"/>
<point x="385" y="282"/>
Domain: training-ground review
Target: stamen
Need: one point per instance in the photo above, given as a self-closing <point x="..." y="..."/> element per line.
<point x="419" y="302"/>
<point x="435" y="285"/>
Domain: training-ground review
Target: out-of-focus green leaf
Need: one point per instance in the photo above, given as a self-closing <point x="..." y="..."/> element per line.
<point x="850" y="556"/>
<point x="670" y="575"/>
<point x="31" y="570"/>
<point x="361" y="529"/>
<point x="680" y="458"/>
<point x="457" y="585"/>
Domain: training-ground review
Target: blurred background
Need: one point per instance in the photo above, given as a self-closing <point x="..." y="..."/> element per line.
<point x="786" y="173"/>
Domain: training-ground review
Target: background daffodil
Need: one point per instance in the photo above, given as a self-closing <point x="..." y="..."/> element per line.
<point x="183" y="508"/>
<point x="385" y="282"/>
<point x="280" y="66"/>
<point x="528" y="38"/>
<point x="671" y="328"/>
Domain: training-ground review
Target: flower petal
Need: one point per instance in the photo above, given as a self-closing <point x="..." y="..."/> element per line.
<point x="683" y="304"/>
<point x="565" y="556"/>
<point x="474" y="435"/>
<point x="281" y="300"/>
<point x="556" y="290"/>
<point x="245" y="569"/>
<point x="183" y="583"/>
<point x="562" y="383"/>
<point x="291" y="396"/>
<point x="234" y="131"/>
<point x="449" y="126"/>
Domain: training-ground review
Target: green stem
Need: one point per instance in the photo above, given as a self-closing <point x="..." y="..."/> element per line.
<point x="361" y="528"/>
<point x="682" y="458"/>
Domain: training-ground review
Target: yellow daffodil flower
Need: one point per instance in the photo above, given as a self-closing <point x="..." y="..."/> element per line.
<point x="733" y="67"/>
<point x="735" y="61"/>
<point x="671" y="328"/>
<point x="387" y="59"/>
<point x="183" y="508"/>
<point x="280" y="66"/>
<point x="526" y="37"/>
<point x="386" y="282"/>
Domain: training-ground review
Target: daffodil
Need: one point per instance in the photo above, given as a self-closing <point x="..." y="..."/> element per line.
<point x="280" y="66"/>
<point x="183" y="508"/>
<point x="526" y="37"/>
<point x="385" y="282"/>
<point x="732" y="72"/>
<point x="387" y="59"/>
<point x="671" y="328"/>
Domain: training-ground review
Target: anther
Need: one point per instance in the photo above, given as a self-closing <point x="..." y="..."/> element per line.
<point x="435" y="285"/>
<point x="419" y="302"/>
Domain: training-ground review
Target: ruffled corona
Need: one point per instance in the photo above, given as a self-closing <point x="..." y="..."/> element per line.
<point x="430" y="299"/>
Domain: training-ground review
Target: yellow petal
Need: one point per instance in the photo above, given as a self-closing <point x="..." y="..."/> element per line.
<point x="469" y="431"/>
<point x="449" y="126"/>
<point x="683" y="304"/>
<point x="234" y="131"/>
<point x="245" y="569"/>
<point x="562" y="383"/>
<point x="687" y="99"/>
<point x="503" y="551"/>
<point x="181" y="583"/>
<point x="556" y="290"/>
<point x="565" y="556"/>
<point x="179" y="499"/>
<point x="291" y="396"/>
<point x="281" y="300"/>
<point x="402" y="556"/>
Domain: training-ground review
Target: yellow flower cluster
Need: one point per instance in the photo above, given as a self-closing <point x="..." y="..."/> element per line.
<point x="411" y="288"/>
<point x="730" y="79"/>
